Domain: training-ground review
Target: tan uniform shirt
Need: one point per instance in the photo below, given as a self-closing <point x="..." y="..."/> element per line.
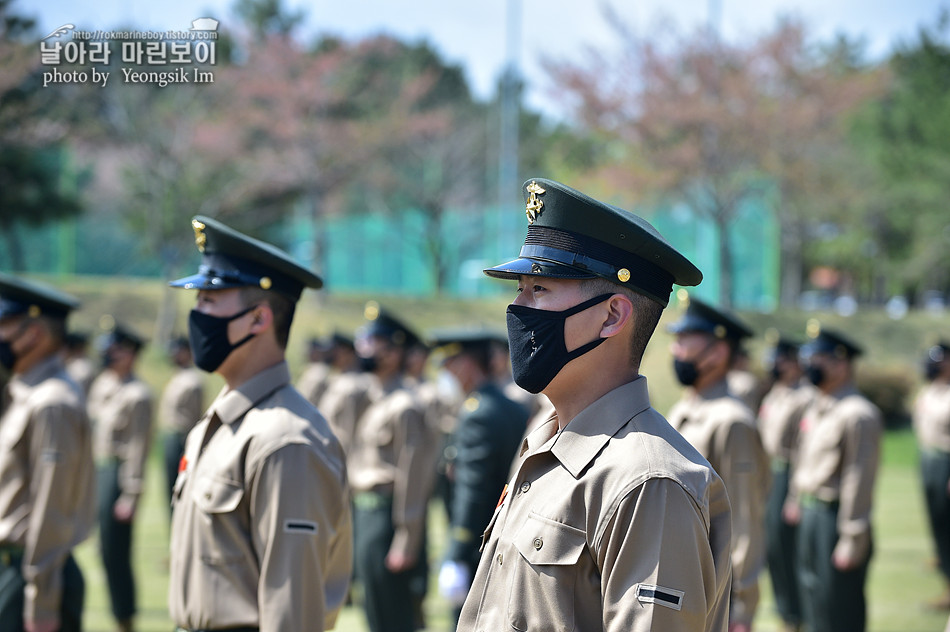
<point x="615" y="523"/>
<point x="47" y="479"/>
<point x="261" y="532"/>
<point x="182" y="400"/>
<point x="121" y="413"/>
<point x="391" y="455"/>
<point x="314" y="381"/>
<point x="344" y="403"/>
<point x="780" y="416"/>
<point x="932" y="417"/>
<point x="838" y="459"/>
<point x="723" y="430"/>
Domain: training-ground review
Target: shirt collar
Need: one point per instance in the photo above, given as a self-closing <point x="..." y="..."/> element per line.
<point x="715" y="390"/>
<point x="41" y="371"/>
<point x="233" y="405"/>
<point x="584" y="437"/>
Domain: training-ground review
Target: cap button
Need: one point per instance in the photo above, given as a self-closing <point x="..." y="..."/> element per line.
<point x="266" y="283"/>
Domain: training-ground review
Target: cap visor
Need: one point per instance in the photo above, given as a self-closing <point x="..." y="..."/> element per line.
<point x="537" y="267"/>
<point x="204" y="282"/>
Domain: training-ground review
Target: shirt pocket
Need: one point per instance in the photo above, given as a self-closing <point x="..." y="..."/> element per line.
<point x="218" y="499"/>
<point x="541" y="594"/>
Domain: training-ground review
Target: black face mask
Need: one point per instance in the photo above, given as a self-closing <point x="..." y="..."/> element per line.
<point x="368" y="365"/>
<point x="7" y="357"/>
<point x="686" y="371"/>
<point x="815" y="373"/>
<point x="536" y="340"/>
<point x="208" y="336"/>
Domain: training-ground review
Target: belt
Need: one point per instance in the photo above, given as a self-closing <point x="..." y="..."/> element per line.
<point x="241" y="629"/>
<point x="810" y="500"/>
<point x="368" y="501"/>
<point x="779" y="464"/>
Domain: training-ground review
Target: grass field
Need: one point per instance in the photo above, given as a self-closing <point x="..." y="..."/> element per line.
<point x="901" y="576"/>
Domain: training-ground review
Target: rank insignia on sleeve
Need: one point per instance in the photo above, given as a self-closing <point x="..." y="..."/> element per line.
<point x="651" y="593"/>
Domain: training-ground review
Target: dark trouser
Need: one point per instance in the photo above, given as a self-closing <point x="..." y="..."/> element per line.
<point x="12" y="599"/>
<point x="173" y="445"/>
<point x="115" y="541"/>
<point x="780" y="549"/>
<point x="832" y="600"/>
<point x="935" y="472"/>
<point x="387" y="596"/>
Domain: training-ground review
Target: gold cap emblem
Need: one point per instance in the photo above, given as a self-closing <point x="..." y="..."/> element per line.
<point x="533" y="207"/>
<point x="371" y="311"/>
<point x="623" y="274"/>
<point x="200" y="237"/>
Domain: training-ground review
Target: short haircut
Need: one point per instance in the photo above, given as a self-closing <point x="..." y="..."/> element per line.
<point x="648" y="312"/>
<point x="281" y="306"/>
<point x="481" y="355"/>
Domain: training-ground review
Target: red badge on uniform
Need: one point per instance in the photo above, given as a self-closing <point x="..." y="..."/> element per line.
<point x="182" y="464"/>
<point x="501" y="498"/>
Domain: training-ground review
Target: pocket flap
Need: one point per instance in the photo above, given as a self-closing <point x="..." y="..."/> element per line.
<point x="544" y="541"/>
<point x="217" y="495"/>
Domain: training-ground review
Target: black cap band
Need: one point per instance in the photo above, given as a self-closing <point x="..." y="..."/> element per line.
<point x="601" y="259"/>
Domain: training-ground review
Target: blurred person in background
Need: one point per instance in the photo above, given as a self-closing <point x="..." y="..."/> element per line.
<point x="47" y="474"/>
<point x="722" y="428"/>
<point x="833" y="487"/>
<point x="779" y="418"/>
<point x="328" y="359"/>
<point x="180" y="407"/>
<point x="486" y="438"/>
<point x="391" y="467"/>
<point x="77" y="362"/>
<point x="120" y="407"/>
<point x="742" y="382"/>
<point x="931" y="420"/>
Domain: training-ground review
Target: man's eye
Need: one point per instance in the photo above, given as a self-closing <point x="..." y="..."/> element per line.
<point x="537" y="288"/>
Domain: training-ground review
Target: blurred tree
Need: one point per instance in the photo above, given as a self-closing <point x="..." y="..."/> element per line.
<point x="697" y="119"/>
<point x="433" y="157"/>
<point x="904" y="136"/>
<point x="268" y="17"/>
<point x="36" y="183"/>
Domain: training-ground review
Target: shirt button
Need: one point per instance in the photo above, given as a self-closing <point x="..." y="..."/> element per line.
<point x="207" y="495"/>
<point x="538" y="543"/>
<point x="525" y="486"/>
<point x="499" y="559"/>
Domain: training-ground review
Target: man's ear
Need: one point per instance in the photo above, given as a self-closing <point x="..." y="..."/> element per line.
<point x="263" y="318"/>
<point x="619" y="313"/>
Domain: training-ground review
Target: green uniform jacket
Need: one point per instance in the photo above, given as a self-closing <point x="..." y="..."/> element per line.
<point x="487" y="437"/>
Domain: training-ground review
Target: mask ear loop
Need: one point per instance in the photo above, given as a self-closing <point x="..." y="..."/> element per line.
<point x="581" y="350"/>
